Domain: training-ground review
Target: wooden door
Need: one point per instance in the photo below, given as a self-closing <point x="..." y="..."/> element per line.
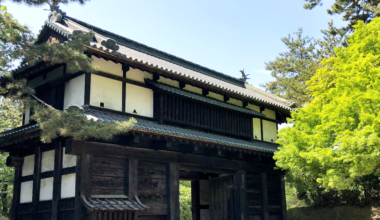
<point x="222" y="198"/>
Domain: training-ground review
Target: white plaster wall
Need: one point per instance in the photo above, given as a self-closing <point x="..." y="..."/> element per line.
<point x="140" y="99"/>
<point x="46" y="189"/>
<point x="68" y="160"/>
<point x="74" y="92"/>
<point x="193" y="89"/>
<point x="106" y="90"/>
<point x="236" y="102"/>
<point x="108" y="66"/>
<point x="26" y="192"/>
<point x="27" y="115"/>
<point x="256" y="129"/>
<point x="47" y="163"/>
<point x="253" y="107"/>
<point x="168" y="82"/>
<point x="28" y="166"/>
<point x="270" y="131"/>
<point x="68" y="186"/>
<point x="269" y="114"/>
<point x="215" y="96"/>
<point x="138" y="75"/>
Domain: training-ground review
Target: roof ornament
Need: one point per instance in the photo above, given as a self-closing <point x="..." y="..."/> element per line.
<point x="110" y="44"/>
<point x="244" y="76"/>
<point x="55" y="14"/>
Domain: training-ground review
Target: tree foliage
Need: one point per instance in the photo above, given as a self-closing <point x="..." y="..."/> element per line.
<point x="335" y="139"/>
<point x="352" y="10"/>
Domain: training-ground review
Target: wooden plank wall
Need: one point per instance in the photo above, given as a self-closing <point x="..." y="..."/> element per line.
<point x="254" y="196"/>
<point x="152" y="189"/>
<point x="108" y="176"/>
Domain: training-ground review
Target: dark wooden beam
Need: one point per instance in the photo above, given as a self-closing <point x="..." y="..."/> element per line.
<point x="119" y="78"/>
<point x="97" y="148"/>
<point x="125" y="69"/>
<point x="172" y="191"/>
<point x="36" y="182"/>
<point x="226" y="98"/>
<point x="195" y="200"/>
<point x="131" y="178"/>
<point x="86" y="178"/>
<point x="264" y="188"/>
<point x="57" y="179"/>
<point x="16" y="192"/>
<point x="245" y="104"/>
<point x="87" y="89"/>
<point x="182" y="84"/>
<point x="160" y="108"/>
<point x="205" y="92"/>
<point x="78" y="208"/>
<point x="240" y="195"/>
<point x="156" y="76"/>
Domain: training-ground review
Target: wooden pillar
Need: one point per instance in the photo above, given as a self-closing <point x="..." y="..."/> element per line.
<point x="87" y="88"/>
<point x="125" y="69"/>
<point x="86" y="178"/>
<point x="16" y="192"/>
<point x="57" y="179"/>
<point x="195" y="200"/>
<point x="131" y="178"/>
<point x="78" y="208"/>
<point x="264" y="188"/>
<point x="172" y="190"/>
<point x="240" y="195"/>
<point x="36" y="182"/>
<point x="283" y="199"/>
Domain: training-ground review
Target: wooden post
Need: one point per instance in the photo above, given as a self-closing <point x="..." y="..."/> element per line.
<point x="131" y="178"/>
<point x="86" y="170"/>
<point x="87" y="89"/>
<point x="195" y="200"/>
<point x="125" y="69"/>
<point x="283" y="199"/>
<point x="264" y="188"/>
<point x="172" y="190"/>
<point x="57" y="179"/>
<point x="36" y="182"/>
<point x="240" y="195"/>
<point x="16" y="192"/>
<point x="78" y="209"/>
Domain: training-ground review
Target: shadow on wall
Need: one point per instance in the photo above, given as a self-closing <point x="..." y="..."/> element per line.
<point x="337" y="213"/>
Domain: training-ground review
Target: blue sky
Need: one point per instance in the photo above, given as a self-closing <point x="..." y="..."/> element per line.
<point x="223" y="35"/>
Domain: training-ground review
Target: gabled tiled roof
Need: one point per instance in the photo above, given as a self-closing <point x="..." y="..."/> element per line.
<point x="112" y="203"/>
<point x="201" y="98"/>
<point x="142" y="54"/>
<point x="147" y="126"/>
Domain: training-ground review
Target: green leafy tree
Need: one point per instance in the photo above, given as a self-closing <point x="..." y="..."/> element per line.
<point x="352" y="10"/>
<point x="335" y="138"/>
<point x="185" y="200"/>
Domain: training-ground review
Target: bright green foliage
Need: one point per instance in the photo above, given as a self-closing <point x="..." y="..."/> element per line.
<point x="185" y="200"/>
<point x="10" y="115"/>
<point x="6" y="185"/>
<point x="353" y="10"/>
<point x="335" y="139"/>
<point x="294" y="68"/>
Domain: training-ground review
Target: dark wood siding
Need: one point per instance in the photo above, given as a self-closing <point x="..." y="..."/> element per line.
<point x="180" y="110"/>
<point x="152" y="187"/>
<point x="108" y="176"/>
<point x="254" y="196"/>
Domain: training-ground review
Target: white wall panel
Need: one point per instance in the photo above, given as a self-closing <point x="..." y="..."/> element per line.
<point x="270" y="131"/>
<point x="26" y="192"/>
<point x="193" y="89"/>
<point x="107" y="91"/>
<point x="140" y="99"/>
<point x="169" y="82"/>
<point x="68" y="160"/>
<point x="28" y="166"/>
<point x="46" y="189"/>
<point x="256" y="129"/>
<point x="138" y="75"/>
<point x="108" y="66"/>
<point x="270" y="114"/>
<point x="74" y="92"/>
<point x="236" y="102"/>
<point x="68" y="186"/>
<point x="253" y="107"/>
<point x="47" y="163"/>
<point x="215" y="96"/>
